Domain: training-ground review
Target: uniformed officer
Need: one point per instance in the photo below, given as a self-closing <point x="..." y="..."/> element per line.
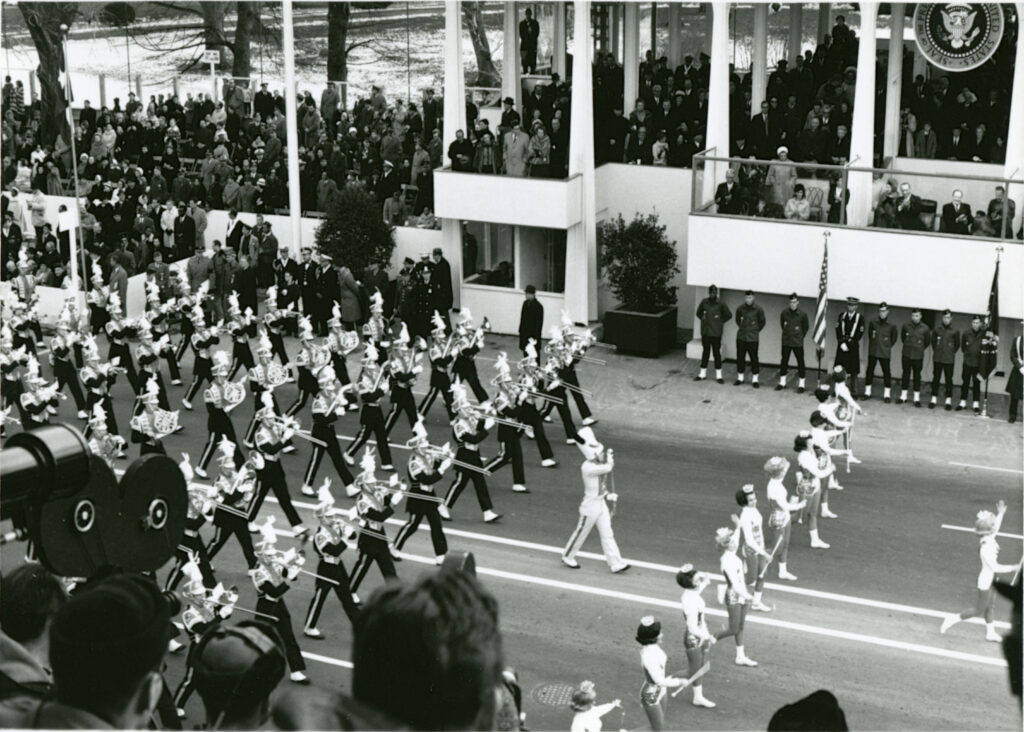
<point x="970" y="344"/>
<point x="945" y="344"/>
<point x="849" y="331"/>
<point x="916" y="337"/>
<point x="749" y="323"/>
<point x="795" y="325"/>
<point x="881" y="336"/>
<point x="713" y="315"/>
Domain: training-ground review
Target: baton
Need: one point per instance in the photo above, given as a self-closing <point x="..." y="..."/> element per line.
<point x="242" y="609"/>
<point x="320" y="577"/>
<point x="688" y="682"/>
<point x="771" y="557"/>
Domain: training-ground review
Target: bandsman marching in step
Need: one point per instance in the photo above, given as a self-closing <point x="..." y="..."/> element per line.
<point x="309" y="359"/>
<point x="221" y="397"/>
<point x="598" y="492"/>
<point x="970" y="374"/>
<point x="795" y="325"/>
<point x="375" y="330"/>
<point x="556" y="395"/>
<point x="916" y="337"/>
<point x="441" y="352"/>
<point x="102" y="443"/>
<point x="505" y="406"/>
<point x="202" y="501"/>
<point x="241" y="326"/>
<point x="374" y="507"/>
<point x="471" y="340"/>
<point x="264" y="377"/>
<point x="276" y="320"/>
<point x="12" y="364"/>
<point x="271" y="438"/>
<point x="335" y="534"/>
<point x="39" y="400"/>
<point x="371" y="418"/>
<point x="697" y="639"/>
<point x="340" y="343"/>
<point x="203" y="340"/>
<point x="233" y="495"/>
<point x="158" y="314"/>
<point x="530" y="378"/>
<point x="427" y="466"/>
<point x="98" y="377"/>
<point x="97" y="300"/>
<point x="25" y="324"/>
<point x="404" y="367"/>
<point x="148" y="354"/>
<point x="61" y="346"/>
<point x="119" y="331"/>
<point x="945" y="344"/>
<point x="185" y="304"/>
<point x="329" y="404"/>
<point x="734" y="592"/>
<point x="150" y="424"/>
<point x="575" y="351"/>
<point x="849" y="331"/>
<point x="469" y="429"/>
<point x="882" y="335"/>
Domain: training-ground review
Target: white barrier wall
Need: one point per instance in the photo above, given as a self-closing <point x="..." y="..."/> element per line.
<point x="976" y="192"/>
<point x="502" y="305"/>
<point x="502" y="199"/>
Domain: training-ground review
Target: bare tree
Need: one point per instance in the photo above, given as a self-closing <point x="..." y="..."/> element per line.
<point x="44" y="20"/>
<point x="339" y="16"/>
<point x="473" y="19"/>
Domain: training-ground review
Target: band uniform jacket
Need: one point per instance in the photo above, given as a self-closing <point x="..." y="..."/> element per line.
<point x="945" y="343"/>
<point x="421" y="484"/>
<point x="749" y="322"/>
<point x="713" y="315"/>
<point x="795" y="326"/>
<point x="916" y="339"/>
<point x="970" y="344"/>
<point x="882" y="336"/>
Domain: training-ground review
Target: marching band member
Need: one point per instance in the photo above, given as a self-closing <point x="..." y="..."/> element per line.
<point x="427" y="466"/>
<point x="264" y="376"/>
<point x="471" y="341"/>
<point x="232" y="495"/>
<point x="38" y="401"/>
<point x="241" y="327"/>
<point x="780" y="521"/>
<point x="270" y="440"/>
<point x="25" y="326"/>
<point x="191" y="549"/>
<point x="148" y="353"/>
<point x="371" y="419"/>
<point x="97" y="300"/>
<point x="102" y="443"/>
<point x="331" y="539"/>
<point x="697" y="638"/>
<point x="736" y="596"/>
<point x="587" y="717"/>
<point x="157" y="314"/>
<point x="373" y="509"/>
<point x="506" y="406"/>
<point x="98" y="377"/>
<point x="221" y="397"/>
<point x="596" y="469"/>
<point x="185" y="305"/>
<point x="469" y="429"/>
<point x="12" y="361"/>
<point x="202" y="339"/>
<point x="441" y="355"/>
<point x="271" y="577"/>
<point x="404" y="367"/>
<point x="307" y="360"/>
<point x="812" y="469"/>
<point x="143" y="425"/>
<point x="529" y="413"/>
<point x="375" y="329"/>
<point x="576" y="349"/>
<point x="752" y="532"/>
<point x="986" y="527"/>
<point x="119" y="331"/>
<point x="328" y="405"/>
<point x="276" y="320"/>
<point x="557" y="354"/>
<point x="652" y="662"/>
<point x="60" y="358"/>
<point x="340" y="343"/>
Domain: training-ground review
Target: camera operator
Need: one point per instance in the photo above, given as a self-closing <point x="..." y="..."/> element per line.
<point x="107" y="644"/>
<point x="31" y="597"/>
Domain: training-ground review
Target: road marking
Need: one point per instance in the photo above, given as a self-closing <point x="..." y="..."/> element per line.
<point x="326" y="659"/>
<point x="970" y="530"/>
<point x="772" y="622"/>
<point x="986" y="467"/>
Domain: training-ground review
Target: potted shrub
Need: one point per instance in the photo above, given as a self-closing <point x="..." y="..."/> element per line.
<point x="353" y="232"/>
<point x="639" y="262"/>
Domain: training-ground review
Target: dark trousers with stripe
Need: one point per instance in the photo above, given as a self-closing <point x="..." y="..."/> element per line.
<point x="144" y="376"/>
<point x="401" y="401"/>
<point x="283" y="624"/>
<point x="219" y="429"/>
<point x="333" y="450"/>
<point x="563" y="411"/>
<point x="530" y="416"/>
<point x="241" y="355"/>
<point x="91" y="400"/>
<point x="511" y="452"/>
<point x="324" y="588"/>
<point x="371" y="420"/>
<point x="433" y="518"/>
<point x="307" y="387"/>
<point x="464" y="477"/>
<point x="372" y="550"/>
<point x="466" y="371"/>
<point x="203" y="371"/>
<point x="441" y="384"/>
<point x="122" y="352"/>
<point x="67" y="376"/>
<point x="170" y="356"/>
<point x="190" y="546"/>
<point x="187" y="331"/>
<point x="340" y="368"/>
<point x="228" y="525"/>
<point x="271" y="478"/>
<point x="277" y="348"/>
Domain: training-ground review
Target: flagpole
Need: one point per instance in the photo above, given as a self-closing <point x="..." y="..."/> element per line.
<point x="821" y="310"/>
<point x="993" y="341"/>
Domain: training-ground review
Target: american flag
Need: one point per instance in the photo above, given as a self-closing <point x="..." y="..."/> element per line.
<point x="820" y="314"/>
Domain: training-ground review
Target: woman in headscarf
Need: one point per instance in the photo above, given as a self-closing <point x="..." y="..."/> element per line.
<point x="781" y="177"/>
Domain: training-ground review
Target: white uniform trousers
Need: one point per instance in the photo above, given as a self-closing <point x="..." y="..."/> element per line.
<point x="603" y="520"/>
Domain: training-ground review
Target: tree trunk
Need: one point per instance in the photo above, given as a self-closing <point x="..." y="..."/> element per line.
<point x="248" y="19"/>
<point x="213" y="25"/>
<point x="44" y="20"/>
<point x="473" y="19"/>
<point x="338" y="15"/>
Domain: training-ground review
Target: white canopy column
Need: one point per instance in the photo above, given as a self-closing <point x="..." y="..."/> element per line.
<point x="759" y="58"/>
<point x="1014" y="166"/>
<point x="796" y="32"/>
<point x="615" y="11"/>
<point x="674" y="57"/>
<point x="824" y="21"/>
<point x="558" y="40"/>
<point x="630" y="56"/>
<point x="511" y="86"/>
<point x="718" y="99"/>
<point x="894" y="83"/>
<point x="454" y="119"/>
<point x="862" y="136"/>
<point x="291" y="126"/>
<point x="581" y="239"/>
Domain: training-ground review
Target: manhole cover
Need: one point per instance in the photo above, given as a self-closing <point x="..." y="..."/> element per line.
<point x="555" y="695"/>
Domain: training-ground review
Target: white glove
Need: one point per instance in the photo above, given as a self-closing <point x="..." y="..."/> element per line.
<point x="447" y="463"/>
<point x="843" y="347"/>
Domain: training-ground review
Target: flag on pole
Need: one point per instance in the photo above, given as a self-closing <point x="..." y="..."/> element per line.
<point x="992" y="315"/>
<point x="821" y="314"/>
<point x="990" y="344"/>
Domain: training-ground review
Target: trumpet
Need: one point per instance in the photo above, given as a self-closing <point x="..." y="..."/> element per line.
<point x="290" y="423"/>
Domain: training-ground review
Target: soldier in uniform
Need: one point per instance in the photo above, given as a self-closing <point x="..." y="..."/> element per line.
<point x="373" y="509"/>
<point x="849" y="331"/>
<point x="916" y="337"/>
<point x="270" y="440"/>
<point x="713" y="315"/>
<point x="945" y="344"/>
<point x="331" y="539"/>
<point x="426" y="468"/>
<point x="970" y="344"/>
<point x="60" y="358"/>
<point x="882" y="336"/>
<point x="202" y="339"/>
<point x="469" y="429"/>
<point x="1016" y="380"/>
<point x="218" y="409"/>
<point x="750" y="321"/>
<point x="795" y="325"/>
<point x="371" y="419"/>
<point x="328" y="405"/>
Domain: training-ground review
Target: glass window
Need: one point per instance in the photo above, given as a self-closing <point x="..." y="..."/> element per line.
<point x="488" y="254"/>
<point x="542" y="258"/>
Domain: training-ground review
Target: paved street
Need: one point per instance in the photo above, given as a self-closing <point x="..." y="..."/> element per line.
<point x="861" y="621"/>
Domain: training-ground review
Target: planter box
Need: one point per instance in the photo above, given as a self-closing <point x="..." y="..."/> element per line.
<point x="644" y="334"/>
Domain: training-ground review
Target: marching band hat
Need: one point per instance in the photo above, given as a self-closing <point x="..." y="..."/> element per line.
<point x="853" y="301"/>
<point x="648" y="630"/>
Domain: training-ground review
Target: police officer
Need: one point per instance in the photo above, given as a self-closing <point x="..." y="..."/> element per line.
<point x="945" y="344"/>
<point x="749" y="323"/>
<point x="916" y="337"/>
<point x="849" y="331"/>
<point x="713" y="315"/>
<point x="795" y="325"/>
<point x="970" y="344"/>
<point x="881" y="336"/>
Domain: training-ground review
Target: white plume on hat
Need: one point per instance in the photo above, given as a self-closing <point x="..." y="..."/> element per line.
<point x="368" y="462"/>
<point x="98" y="416"/>
<point x="323" y="495"/>
<point x="466" y="316"/>
<point x="438" y="322"/>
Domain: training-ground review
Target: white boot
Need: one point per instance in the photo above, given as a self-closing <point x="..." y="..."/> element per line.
<point x="699" y="700"/>
<point x="307" y="490"/>
<point x="491" y="516"/>
<point x="782" y="383"/>
<point x="917" y="398"/>
<point x="718" y="375"/>
<point x="991" y="634"/>
<point x="887" y="393"/>
<point x="903" y="396"/>
<point x="825" y="513"/>
<point x="741" y="658"/>
<point x="758" y="604"/>
<point x="817" y="543"/>
<point x="801" y="385"/>
<point x="785" y="574"/>
<point x="444" y="512"/>
<point x="867" y="392"/>
<point x="298" y="677"/>
<point x="702" y="374"/>
<point x="948" y="623"/>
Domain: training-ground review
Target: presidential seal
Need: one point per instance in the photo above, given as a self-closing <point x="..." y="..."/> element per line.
<point x="958" y="36"/>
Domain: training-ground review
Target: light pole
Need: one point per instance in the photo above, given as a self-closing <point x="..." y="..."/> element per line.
<point x="76" y="248"/>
